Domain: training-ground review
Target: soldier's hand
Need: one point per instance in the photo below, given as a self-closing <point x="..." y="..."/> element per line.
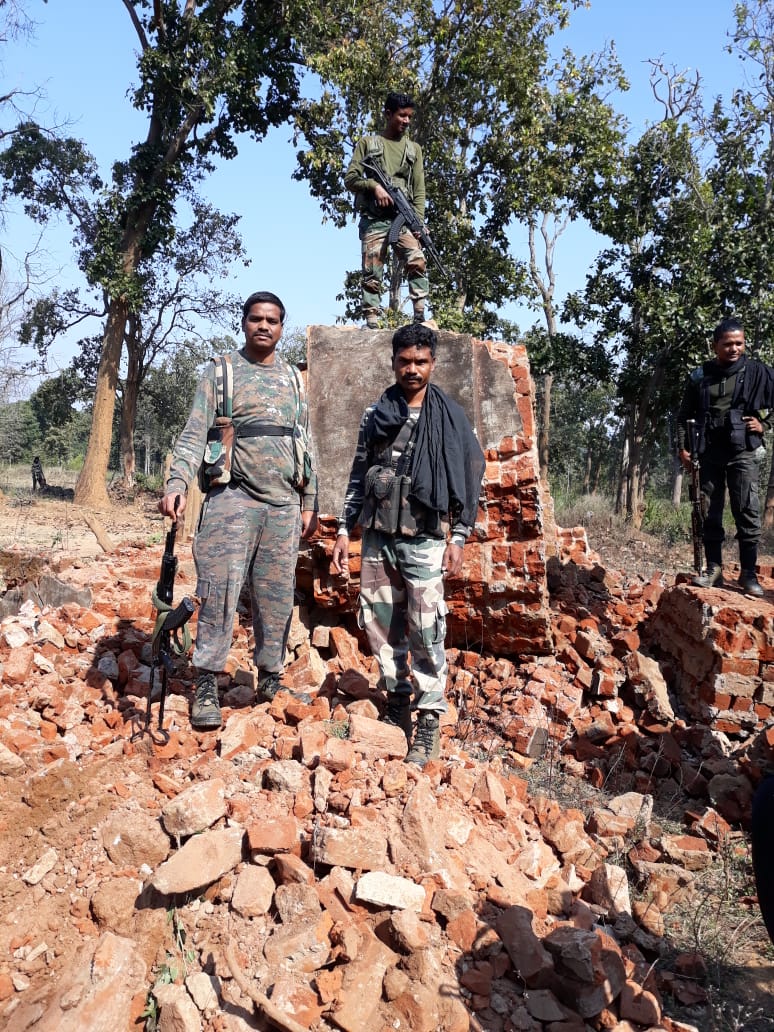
<point x="308" y="523"/>
<point x="340" y="557"/>
<point x="753" y="424"/>
<point x="451" y="564"/>
<point x="381" y="196"/>
<point x="685" y="458"/>
<point x="167" y="506"/>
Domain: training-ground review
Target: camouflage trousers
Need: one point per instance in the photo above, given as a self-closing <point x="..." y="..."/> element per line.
<point x="373" y="240"/>
<point x="402" y="610"/>
<point x="241" y="539"/>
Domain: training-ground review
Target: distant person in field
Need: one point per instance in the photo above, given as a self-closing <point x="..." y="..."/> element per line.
<point x="727" y="396"/>
<point x="38" y="480"/>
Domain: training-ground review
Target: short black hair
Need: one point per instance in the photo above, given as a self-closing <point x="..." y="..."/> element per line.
<point x="414" y="335"/>
<point x="263" y="297"/>
<point x="726" y="326"/>
<point x="395" y="101"/>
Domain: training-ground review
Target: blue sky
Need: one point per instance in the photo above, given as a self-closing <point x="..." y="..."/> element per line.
<point x="83" y="55"/>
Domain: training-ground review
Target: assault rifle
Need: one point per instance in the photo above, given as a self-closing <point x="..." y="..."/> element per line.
<point x="404" y="215"/>
<point x="170" y="634"/>
<point x="697" y="513"/>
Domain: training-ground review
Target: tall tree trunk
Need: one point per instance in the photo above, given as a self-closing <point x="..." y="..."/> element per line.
<point x="677" y="482"/>
<point x="90" y="488"/>
<point x="622" y="494"/>
<point x="635" y="490"/>
<point x="587" y="472"/>
<point x="128" y="416"/>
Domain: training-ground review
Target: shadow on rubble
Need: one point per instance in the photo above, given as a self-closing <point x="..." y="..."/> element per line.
<point x="574" y="965"/>
<point x="122" y="670"/>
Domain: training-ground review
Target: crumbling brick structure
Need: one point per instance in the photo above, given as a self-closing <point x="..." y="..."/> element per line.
<point x="500" y="602"/>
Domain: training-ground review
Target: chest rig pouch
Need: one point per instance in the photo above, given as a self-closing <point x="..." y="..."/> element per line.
<point x="386" y="505"/>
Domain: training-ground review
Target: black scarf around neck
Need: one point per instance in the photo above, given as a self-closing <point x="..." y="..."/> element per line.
<point x="447" y="464"/>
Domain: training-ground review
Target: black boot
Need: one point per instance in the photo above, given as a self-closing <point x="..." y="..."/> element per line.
<point x="748" y="560"/>
<point x="713" y="576"/>
<point x="398" y="713"/>
<point x="711" y="579"/>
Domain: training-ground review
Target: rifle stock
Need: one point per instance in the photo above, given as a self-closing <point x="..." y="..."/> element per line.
<point x="405" y="215"/>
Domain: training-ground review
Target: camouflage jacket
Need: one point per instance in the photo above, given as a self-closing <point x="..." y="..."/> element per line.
<point x="263" y="466"/>
<point x="365" y="457"/>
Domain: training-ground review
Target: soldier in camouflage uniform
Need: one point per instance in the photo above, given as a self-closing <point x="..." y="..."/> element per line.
<point x="401" y="159"/>
<point x="413" y="488"/>
<point x="249" y="528"/>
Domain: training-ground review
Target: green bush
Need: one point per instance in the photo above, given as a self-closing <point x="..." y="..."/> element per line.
<point x="663" y="520"/>
<point x="152" y="482"/>
<point x="573" y="510"/>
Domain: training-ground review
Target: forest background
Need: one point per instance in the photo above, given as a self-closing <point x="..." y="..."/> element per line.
<point x="605" y="210"/>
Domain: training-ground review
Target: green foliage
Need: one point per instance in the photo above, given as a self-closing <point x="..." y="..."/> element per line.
<point x="666" y="522"/>
<point x="292" y="347"/>
<point x="207" y="73"/>
<point x="53" y="401"/>
<point x="19" y="431"/>
<point x="168" y="390"/>
<point x="505" y="132"/>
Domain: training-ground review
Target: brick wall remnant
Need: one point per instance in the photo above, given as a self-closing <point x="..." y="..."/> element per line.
<point x="500" y="602"/>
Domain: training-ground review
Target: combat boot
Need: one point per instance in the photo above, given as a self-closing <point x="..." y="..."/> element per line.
<point x="372" y="320"/>
<point x="419" y="313"/>
<point x="713" y="578"/>
<point x="749" y="584"/>
<point x="205" y="711"/>
<point x="398" y="713"/>
<point x="269" y="684"/>
<point x="427" y="739"/>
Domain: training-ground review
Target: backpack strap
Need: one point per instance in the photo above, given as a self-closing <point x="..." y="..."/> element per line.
<point x="374" y="146"/>
<point x="298" y="382"/>
<point x="224" y="385"/>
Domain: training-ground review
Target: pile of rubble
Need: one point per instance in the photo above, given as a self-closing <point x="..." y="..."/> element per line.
<point x="291" y="871"/>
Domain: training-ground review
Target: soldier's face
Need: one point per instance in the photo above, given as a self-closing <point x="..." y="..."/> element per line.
<point x="263" y="329"/>
<point x="398" y="122"/>
<point x="730" y="347"/>
<point x="413" y="368"/>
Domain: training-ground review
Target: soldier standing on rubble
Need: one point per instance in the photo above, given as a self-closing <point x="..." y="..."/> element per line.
<point x="401" y="159"/>
<point x="249" y="527"/>
<point x="414" y="489"/>
<point x="727" y="396"/>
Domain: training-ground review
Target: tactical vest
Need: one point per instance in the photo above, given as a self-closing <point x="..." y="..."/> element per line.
<point x="731" y="420"/>
<point x="375" y="152"/>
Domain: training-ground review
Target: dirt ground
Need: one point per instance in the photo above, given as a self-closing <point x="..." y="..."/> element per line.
<point x="53" y="525"/>
<point x="50" y="526"/>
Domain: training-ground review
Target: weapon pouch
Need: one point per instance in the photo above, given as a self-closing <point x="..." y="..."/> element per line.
<point x="737" y="429"/>
<point x="386" y="503"/>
